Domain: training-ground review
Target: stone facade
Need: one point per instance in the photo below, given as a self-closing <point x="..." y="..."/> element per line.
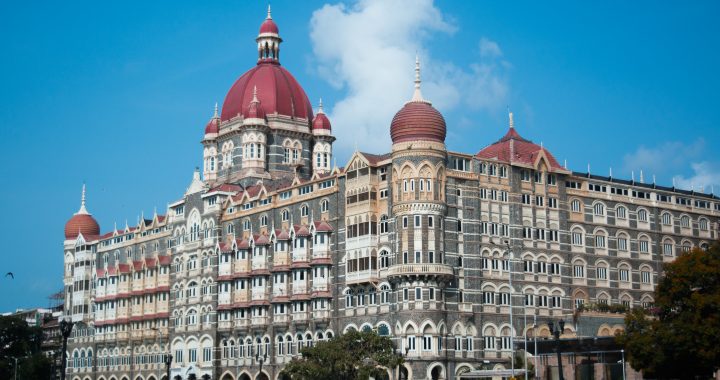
<point x="273" y="250"/>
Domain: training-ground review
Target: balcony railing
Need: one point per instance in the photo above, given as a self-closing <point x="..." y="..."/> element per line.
<point x="420" y="270"/>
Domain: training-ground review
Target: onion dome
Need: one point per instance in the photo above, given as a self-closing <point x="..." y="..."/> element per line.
<point x="81" y="223"/>
<point x="418" y="120"/>
<point x="277" y="90"/>
<point x="213" y="126"/>
<point x="268" y="26"/>
<point x="254" y="113"/>
<point x="321" y="120"/>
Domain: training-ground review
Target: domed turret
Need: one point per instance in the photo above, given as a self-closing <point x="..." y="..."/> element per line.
<point x="321" y="121"/>
<point x="81" y="223"/>
<point x="213" y="126"/>
<point x="418" y="120"/>
<point x="277" y="90"/>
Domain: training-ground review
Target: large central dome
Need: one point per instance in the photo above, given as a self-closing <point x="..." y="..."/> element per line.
<point x="277" y="90"/>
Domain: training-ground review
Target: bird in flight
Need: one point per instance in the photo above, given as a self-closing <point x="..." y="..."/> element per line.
<point x="10" y="274"/>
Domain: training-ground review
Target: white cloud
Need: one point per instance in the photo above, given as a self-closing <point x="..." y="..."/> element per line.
<point x="368" y="49"/>
<point x="684" y="162"/>
<point x="705" y="177"/>
<point x="670" y="156"/>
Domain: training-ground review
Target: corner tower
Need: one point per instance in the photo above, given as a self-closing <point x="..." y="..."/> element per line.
<point x="418" y="272"/>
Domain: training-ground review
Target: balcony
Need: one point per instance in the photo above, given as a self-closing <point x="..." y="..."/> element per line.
<point x="363" y="276"/>
<point x="420" y="271"/>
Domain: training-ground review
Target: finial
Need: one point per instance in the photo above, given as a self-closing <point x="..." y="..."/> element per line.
<point x="673" y="180"/>
<point x="565" y="164"/>
<point x="653" y="179"/>
<point x="510" y="117"/>
<point x="632" y="175"/>
<point x="417" y="96"/>
<point x="269" y="16"/>
<point x="320" y="107"/>
<point x="255" y="98"/>
<point x="82" y="209"/>
<point x="115" y="225"/>
<point x="642" y="178"/>
<point x="588" y="168"/>
<point x="611" y="172"/>
<point x="712" y="189"/>
<point x="215" y="115"/>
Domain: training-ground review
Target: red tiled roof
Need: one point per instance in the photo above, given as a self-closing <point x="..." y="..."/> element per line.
<point x="301" y="230"/>
<point x="164" y="259"/>
<point x="373" y="159"/>
<point x="150" y="262"/>
<point x="137" y="265"/>
<point x="323" y="226"/>
<point x="418" y="120"/>
<point x="512" y="148"/>
<point x="282" y="234"/>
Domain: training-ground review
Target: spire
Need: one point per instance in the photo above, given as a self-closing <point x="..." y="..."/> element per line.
<point x="320" y="107"/>
<point x="269" y="16"/>
<point x="255" y="98"/>
<point x="82" y="209"/>
<point x="215" y="115"/>
<point x="417" y="95"/>
<point x="510" y="117"/>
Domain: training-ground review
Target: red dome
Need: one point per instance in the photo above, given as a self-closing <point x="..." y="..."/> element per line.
<point x="418" y="120"/>
<point x="81" y="223"/>
<point x="269" y="26"/>
<point x="212" y="126"/>
<point x="321" y="121"/>
<point x="277" y="91"/>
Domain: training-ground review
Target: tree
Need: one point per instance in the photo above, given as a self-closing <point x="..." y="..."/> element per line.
<point x="353" y="355"/>
<point x="18" y="340"/>
<point x="678" y="338"/>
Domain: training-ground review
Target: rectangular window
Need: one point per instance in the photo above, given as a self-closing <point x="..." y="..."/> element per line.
<point x="645" y="275"/>
<point x="624" y="275"/>
<point x="601" y="273"/>
<point x="579" y="271"/>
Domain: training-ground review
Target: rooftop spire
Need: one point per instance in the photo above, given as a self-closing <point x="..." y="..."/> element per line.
<point x="269" y="16"/>
<point x="510" y="119"/>
<point x="320" y="107"/>
<point x="255" y="98"/>
<point x="215" y="115"/>
<point x="417" y="95"/>
<point x="82" y="209"/>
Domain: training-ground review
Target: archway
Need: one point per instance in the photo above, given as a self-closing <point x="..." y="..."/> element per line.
<point x="436" y="373"/>
<point x="262" y="376"/>
<point x="283" y="376"/>
<point x="403" y="373"/>
<point x="244" y="376"/>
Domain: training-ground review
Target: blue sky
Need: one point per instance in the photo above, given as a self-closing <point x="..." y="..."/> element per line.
<point x="117" y="94"/>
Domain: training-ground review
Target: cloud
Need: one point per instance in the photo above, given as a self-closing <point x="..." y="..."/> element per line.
<point x="686" y="163"/>
<point x="667" y="157"/>
<point x="705" y="177"/>
<point x="367" y="50"/>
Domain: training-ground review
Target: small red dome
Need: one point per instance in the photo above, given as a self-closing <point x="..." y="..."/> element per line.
<point x="81" y="223"/>
<point x="269" y="26"/>
<point x="418" y="120"/>
<point x="277" y="91"/>
<point x="212" y="126"/>
<point x="321" y="121"/>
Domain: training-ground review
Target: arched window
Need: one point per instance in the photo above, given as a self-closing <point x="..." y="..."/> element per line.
<point x="621" y="212"/>
<point x="666" y="219"/>
<point x="599" y="209"/>
<point x="575" y="206"/>
<point x="263" y="220"/>
<point x="285" y="215"/>
<point x="642" y="215"/>
<point x="703" y="224"/>
<point x="324" y="205"/>
<point x="384" y="224"/>
<point x="384" y="259"/>
<point x="385" y="293"/>
<point x="685" y="221"/>
<point x="304" y="210"/>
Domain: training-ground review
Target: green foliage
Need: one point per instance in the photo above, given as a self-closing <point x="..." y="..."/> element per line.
<point x="18" y="340"/>
<point x="680" y="340"/>
<point x="353" y="355"/>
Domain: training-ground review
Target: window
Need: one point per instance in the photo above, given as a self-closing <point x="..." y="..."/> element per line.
<point x="644" y="245"/>
<point x="668" y="248"/>
<point x="427" y="343"/>
<point x="600" y="241"/>
<point x="324" y="205"/>
<point x="703" y="224"/>
<point x="577" y="237"/>
<point x="304" y="210"/>
<point x="579" y="271"/>
<point x="642" y="215"/>
<point x="418" y="221"/>
<point x="405" y="222"/>
<point x="666" y="219"/>
<point x="599" y="209"/>
<point x="645" y="276"/>
<point x="624" y="274"/>
<point x="411" y="343"/>
<point x="601" y="273"/>
<point x="621" y="212"/>
<point x="622" y="243"/>
<point x="575" y="206"/>
<point x="685" y="221"/>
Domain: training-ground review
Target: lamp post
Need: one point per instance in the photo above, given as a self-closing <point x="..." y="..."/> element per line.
<point x="168" y="361"/>
<point x="556" y="331"/>
<point x="260" y="359"/>
<point x="65" y="328"/>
